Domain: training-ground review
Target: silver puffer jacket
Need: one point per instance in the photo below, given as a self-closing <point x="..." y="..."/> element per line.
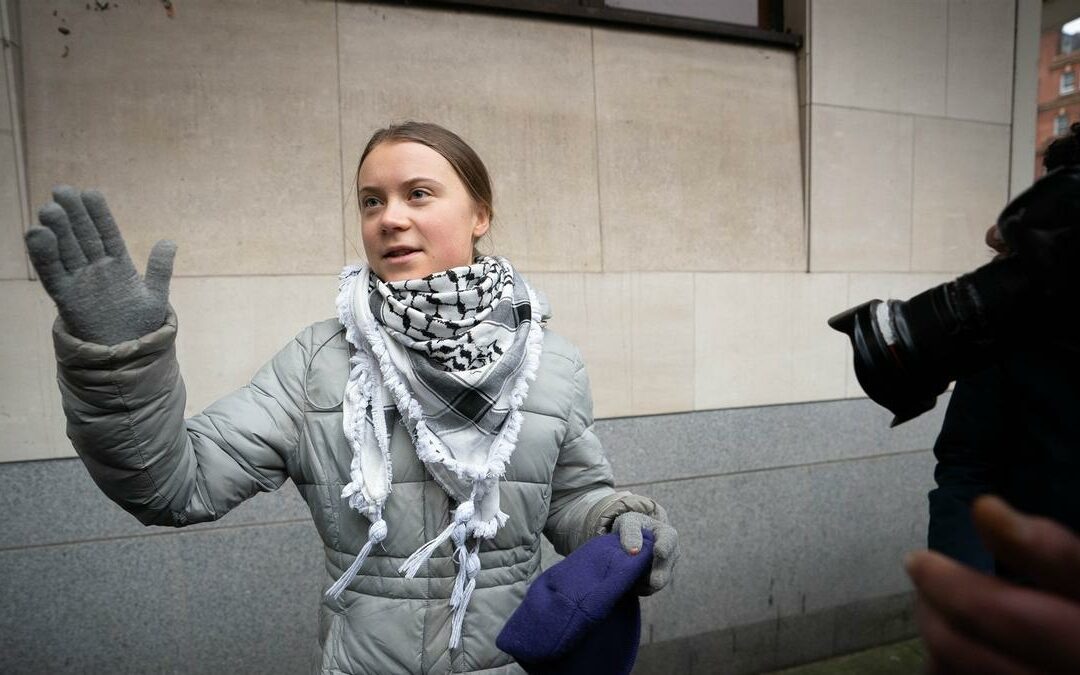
<point x="125" y="410"/>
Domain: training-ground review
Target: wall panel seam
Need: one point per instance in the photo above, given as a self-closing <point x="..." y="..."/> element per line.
<point x="751" y="406"/>
<point x="340" y="138"/>
<point x="948" y="11"/>
<point x="14" y="103"/>
<point x="779" y="467"/>
<point x="693" y="346"/>
<point x="911" y="114"/>
<point x="169" y="532"/>
<point x="809" y="130"/>
<point x="256" y="275"/>
<point x="911" y="198"/>
<point x="596" y="145"/>
<point x="1012" y="91"/>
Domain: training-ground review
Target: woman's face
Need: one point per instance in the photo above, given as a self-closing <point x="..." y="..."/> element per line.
<point x="416" y="216"/>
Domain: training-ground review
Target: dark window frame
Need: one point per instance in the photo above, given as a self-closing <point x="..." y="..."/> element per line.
<point x="597" y="13"/>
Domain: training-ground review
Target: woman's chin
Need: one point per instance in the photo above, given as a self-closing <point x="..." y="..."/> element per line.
<point x="400" y="268"/>
<point x="412" y="266"/>
<point x="402" y="272"/>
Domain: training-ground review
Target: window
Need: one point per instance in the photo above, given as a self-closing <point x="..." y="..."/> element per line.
<point x="1069" y="43"/>
<point x="753" y="21"/>
<point x="1068" y="83"/>
<point x="1061" y="125"/>
<point x="1070" y="37"/>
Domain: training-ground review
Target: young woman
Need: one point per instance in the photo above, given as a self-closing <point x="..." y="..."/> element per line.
<point x="435" y="428"/>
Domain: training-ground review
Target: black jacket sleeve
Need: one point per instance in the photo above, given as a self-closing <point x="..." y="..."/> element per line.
<point x="968" y="452"/>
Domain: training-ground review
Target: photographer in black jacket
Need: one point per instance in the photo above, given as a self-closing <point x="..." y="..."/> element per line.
<point x="1013" y="429"/>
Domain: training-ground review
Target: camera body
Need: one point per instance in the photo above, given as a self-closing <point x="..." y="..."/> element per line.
<point x="907" y="352"/>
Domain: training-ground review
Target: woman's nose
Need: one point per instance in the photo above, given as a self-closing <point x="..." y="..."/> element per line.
<point x="395" y="216"/>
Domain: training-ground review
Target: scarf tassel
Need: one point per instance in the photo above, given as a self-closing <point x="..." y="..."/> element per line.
<point x="459" y="614"/>
<point x="376" y="534"/>
<point x="464" y="585"/>
<point x="468" y="567"/>
<point x="420" y="556"/>
<point x="457" y="529"/>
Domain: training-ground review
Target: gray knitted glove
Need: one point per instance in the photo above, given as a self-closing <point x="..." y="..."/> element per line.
<point x="84" y="266"/>
<point x="629" y="525"/>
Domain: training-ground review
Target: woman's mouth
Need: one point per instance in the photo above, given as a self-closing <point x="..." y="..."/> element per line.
<point x="400" y="254"/>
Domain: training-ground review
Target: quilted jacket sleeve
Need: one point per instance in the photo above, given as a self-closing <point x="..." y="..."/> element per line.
<point x="125" y="416"/>
<point x="582" y="478"/>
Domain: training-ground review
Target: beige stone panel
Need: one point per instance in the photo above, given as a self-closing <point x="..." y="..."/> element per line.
<point x="608" y="348"/>
<point x="217" y="127"/>
<point x="763" y="339"/>
<point x="635" y="333"/>
<point x="880" y="54"/>
<point x="599" y="329"/>
<point x="594" y="311"/>
<point x="661" y="342"/>
<point x="230" y="326"/>
<point x="13" y="261"/>
<point x="896" y="286"/>
<point x="980" y="63"/>
<point x="869" y="286"/>
<point x="31" y="420"/>
<point x="961" y="184"/>
<point x="564" y="293"/>
<point x="698" y="155"/>
<point x="860" y="190"/>
<point x="519" y="90"/>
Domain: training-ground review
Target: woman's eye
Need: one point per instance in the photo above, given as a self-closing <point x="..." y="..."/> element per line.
<point x="419" y="193"/>
<point x="369" y="202"/>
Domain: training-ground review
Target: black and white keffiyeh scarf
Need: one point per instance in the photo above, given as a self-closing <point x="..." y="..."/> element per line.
<point x="452" y="355"/>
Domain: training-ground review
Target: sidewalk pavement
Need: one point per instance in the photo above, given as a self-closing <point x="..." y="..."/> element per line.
<point x="899" y="658"/>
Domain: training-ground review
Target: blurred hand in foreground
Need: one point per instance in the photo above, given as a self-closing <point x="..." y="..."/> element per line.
<point x="974" y="623"/>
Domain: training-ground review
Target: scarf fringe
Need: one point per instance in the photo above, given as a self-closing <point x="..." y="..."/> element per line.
<point x="506" y="441"/>
<point x="361" y="390"/>
<point x="376" y="534"/>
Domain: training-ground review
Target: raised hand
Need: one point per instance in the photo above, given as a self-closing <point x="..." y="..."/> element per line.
<point x="84" y="266"/>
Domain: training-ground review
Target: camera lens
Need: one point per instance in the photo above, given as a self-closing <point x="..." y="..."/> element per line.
<point x="907" y="352"/>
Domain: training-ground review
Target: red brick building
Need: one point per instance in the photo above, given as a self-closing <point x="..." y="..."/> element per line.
<point x="1059" y="87"/>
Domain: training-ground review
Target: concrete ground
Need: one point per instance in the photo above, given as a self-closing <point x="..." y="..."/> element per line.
<point x="899" y="658"/>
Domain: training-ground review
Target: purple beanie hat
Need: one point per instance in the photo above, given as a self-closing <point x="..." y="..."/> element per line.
<point x="582" y="614"/>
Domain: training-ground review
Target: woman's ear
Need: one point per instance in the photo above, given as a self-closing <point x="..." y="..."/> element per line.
<point x="481" y="224"/>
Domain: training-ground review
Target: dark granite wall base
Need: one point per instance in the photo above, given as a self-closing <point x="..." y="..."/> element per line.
<point x="784" y="641"/>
